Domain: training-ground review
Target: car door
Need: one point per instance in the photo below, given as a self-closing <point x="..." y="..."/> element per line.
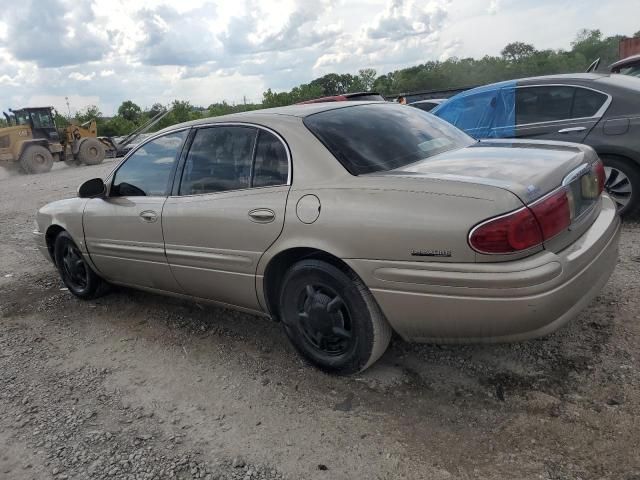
<point x="555" y="112"/>
<point x="227" y="208"/>
<point x="123" y="230"/>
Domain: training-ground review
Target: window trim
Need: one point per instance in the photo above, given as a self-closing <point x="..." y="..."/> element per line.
<point x="178" y="177"/>
<point x="111" y="177"/>
<point x="601" y="111"/>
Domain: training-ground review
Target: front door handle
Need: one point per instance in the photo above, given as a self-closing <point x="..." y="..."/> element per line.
<point x="572" y="129"/>
<point x="262" y="215"/>
<point x="149" y="216"/>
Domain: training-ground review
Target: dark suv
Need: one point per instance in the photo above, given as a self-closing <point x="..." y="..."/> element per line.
<point x="600" y="110"/>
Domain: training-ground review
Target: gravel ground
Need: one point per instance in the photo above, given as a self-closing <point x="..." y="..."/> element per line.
<point x="137" y="386"/>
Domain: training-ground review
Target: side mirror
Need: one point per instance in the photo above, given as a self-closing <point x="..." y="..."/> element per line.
<point x="92" y="188"/>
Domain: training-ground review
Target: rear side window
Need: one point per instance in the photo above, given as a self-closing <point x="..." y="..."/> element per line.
<point x="379" y="137"/>
<point x="586" y="103"/>
<point x="271" y="165"/>
<point x="219" y="159"/>
<point x="147" y="172"/>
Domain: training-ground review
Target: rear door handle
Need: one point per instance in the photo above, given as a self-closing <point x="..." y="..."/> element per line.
<point x="262" y="215"/>
<point x="149" y="216"/>
<point x="572" y="129"/>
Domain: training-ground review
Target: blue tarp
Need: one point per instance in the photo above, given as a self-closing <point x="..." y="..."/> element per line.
<point x="483" y="112"/>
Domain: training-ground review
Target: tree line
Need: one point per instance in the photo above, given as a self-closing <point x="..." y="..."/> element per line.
<point x="516" y="60"/>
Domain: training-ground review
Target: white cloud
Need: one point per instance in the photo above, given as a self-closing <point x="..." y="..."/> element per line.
<point x="106" y="51"/>
<point x="81" y="77"/>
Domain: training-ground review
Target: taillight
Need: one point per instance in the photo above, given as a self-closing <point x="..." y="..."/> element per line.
<point x="553" y="213"/>
<point x="507" y="234"/>
<point x="601" y="175"/>
<point x="524" y="228"/>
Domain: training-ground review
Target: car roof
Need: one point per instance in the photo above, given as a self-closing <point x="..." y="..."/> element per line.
<point x="625" y="61"/>
<point x="259" y="116"/>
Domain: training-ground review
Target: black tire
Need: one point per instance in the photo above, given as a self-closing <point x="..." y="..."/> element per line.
<point x="331" y="318"/>
<point x="76" y="274"/>
<point x="623" y="184"/>
<point x="36" y="159"/>
<point x="91" y="152"/>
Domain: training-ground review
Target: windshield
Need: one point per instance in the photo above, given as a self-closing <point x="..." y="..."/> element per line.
<point x="22" y="118"/>
<point x="41" y="119"/>
<point x="380" y="137"/>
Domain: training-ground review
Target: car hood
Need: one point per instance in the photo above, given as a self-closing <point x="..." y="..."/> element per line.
<point x="529" y="169"/>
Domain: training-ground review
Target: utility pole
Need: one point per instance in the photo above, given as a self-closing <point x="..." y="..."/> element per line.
<point x="68" y="109"/>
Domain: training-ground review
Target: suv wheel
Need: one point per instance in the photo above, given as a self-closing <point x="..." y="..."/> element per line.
<point x="331" y="318"/>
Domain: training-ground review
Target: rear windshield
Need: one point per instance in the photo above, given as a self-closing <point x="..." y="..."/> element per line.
<point x="379" y="137"/>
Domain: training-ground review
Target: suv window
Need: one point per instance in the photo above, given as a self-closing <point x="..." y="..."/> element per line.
<point x="219" y="159"/>
<point x="379" y="137"/>
<point x="147" y="172"/>
<point x="271" y="165"/>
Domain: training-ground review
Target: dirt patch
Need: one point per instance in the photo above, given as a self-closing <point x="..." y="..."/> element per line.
<point x="135" y="385"/>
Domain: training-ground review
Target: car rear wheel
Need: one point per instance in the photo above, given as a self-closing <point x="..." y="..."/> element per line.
<point x="622" y="184"/>
<point x="331" y="318"/>
<point x="74" y="271"/>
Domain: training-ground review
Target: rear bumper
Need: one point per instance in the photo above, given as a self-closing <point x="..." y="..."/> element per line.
<point x="500" y="302"/>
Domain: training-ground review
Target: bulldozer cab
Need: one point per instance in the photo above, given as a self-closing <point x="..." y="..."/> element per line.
<point x="40" y="120"/>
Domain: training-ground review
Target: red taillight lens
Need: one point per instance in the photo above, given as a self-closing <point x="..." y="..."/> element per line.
<point x="509" y="233"/>
<point x="598" y="170"/>
<point x="524" y="228"/>
<point x="553" y="213"/>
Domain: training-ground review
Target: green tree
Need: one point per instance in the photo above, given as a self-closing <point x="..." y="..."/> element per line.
<point x="129" y="111"/>
<point x="91" y="112"/>
<point x="116" y="127"/>
<point x="367" y="77"/>
<point x="517" y="51"/>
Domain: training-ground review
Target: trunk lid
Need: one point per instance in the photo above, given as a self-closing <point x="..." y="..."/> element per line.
<point x="529" y="169"/>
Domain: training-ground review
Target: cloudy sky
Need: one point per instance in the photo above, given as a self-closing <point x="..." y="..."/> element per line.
<point x="105" y="51"/>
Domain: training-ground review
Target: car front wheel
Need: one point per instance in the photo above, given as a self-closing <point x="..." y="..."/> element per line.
<point x="74" y="271"/>
<point x="331" y="318"/>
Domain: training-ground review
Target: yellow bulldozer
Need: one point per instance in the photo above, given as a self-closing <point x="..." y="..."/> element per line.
<point x="32" y="142"/>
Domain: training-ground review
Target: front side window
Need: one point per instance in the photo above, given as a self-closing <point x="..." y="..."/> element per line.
<point x="543" y="104"/>
<point x="379" y="137"/>
<point x="147" y="172"/>
<point x="219" y="159"/>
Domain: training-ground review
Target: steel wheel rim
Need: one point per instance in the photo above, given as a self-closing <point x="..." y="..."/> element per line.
<point x="74" y="268"/>
<point x="39" y="158"/>
<point x="324" y="320"/>
<point x="618" y="186"/>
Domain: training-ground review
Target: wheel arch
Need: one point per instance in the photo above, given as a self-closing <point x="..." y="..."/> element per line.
<point x="28" y="143"/>
<point x="282" y="261"/>
<point x="50" y="237"/>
